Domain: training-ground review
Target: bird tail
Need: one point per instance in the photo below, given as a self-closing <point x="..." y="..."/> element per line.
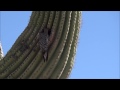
<point x="45" y="56"/>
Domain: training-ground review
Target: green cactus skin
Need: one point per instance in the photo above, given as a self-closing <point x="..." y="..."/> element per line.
<point x="29" y="64"/>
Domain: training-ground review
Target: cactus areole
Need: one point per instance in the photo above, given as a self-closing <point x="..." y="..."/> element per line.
<point x="45" y="49"/>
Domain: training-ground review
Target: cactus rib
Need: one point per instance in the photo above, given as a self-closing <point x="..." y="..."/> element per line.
<point x="36" y="71"/>
<point x="70" y="62"/>
<point x="64" y="57"/>
<point x="51" y="64"/>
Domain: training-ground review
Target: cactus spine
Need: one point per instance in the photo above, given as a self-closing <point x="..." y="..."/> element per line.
<point x="27" y="63"/>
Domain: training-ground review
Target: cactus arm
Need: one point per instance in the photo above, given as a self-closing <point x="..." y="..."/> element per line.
<point x="10" y="63"/>
<point x="8" y="59"/>
<point x="34" y="63"/>
<point x="26" y="61"/>
<point x="9" y="53"/>
<point x="23" y="64"/>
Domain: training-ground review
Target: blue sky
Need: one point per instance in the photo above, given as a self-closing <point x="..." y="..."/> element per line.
<point x="98" y="46"/>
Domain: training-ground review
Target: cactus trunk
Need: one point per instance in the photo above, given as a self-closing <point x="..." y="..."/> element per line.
<point x="27" y="63"/>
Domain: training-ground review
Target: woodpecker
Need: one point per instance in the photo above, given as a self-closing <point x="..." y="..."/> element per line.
<point x="43" y="42"/>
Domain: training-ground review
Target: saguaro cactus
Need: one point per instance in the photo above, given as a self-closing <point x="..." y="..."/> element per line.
<point x="24" y="60"/>
<point x="1" y="52"/>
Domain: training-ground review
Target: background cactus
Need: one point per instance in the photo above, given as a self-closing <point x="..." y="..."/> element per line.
<point x="27" y="63"/>
<point x="1" y="52"/>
